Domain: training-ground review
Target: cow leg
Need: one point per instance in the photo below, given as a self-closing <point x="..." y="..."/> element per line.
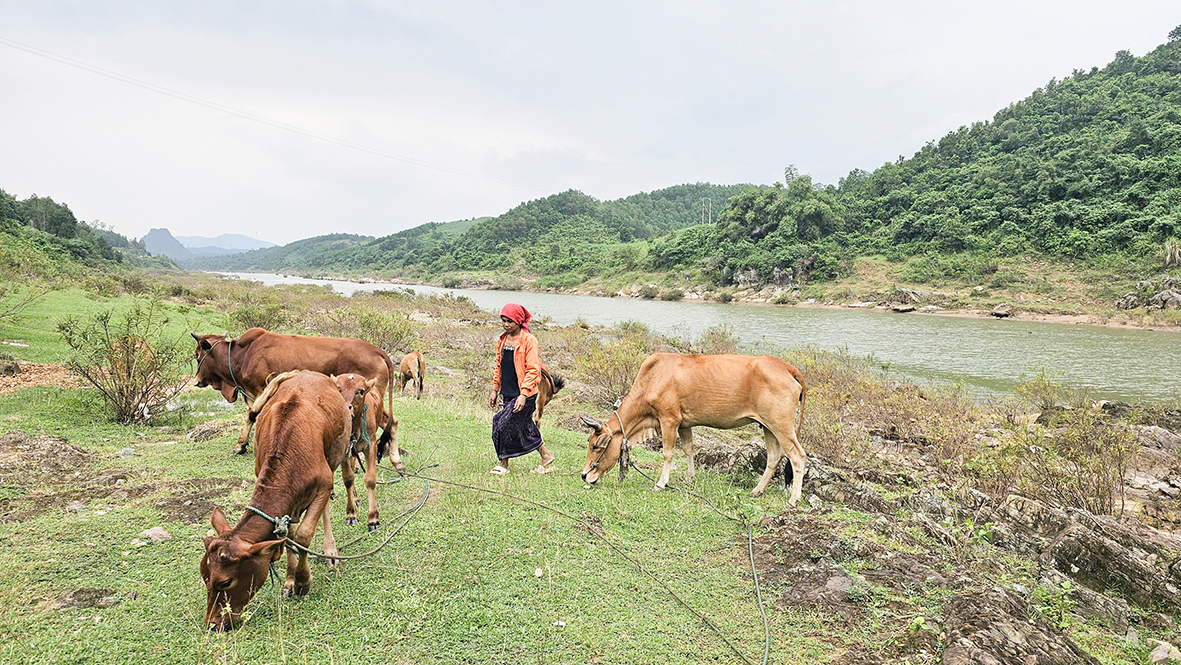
<point x="395" y="451"/>
<point x="774" y="454"/>
<point x="329" y="539"/>
<point x="371" y="482"/>
<point x="418" y="383"/>
<point x="541" y="402"/>
<point x="686" y="436"/>
<point x="668" y="433"/>
<point x="799" y="461"/>
<point x="299" y="573"/>
<point x="348" y="475"/>
<point x="244" y="439"/>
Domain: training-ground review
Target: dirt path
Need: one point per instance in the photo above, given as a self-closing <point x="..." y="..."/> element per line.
<point x="35" y="374"/>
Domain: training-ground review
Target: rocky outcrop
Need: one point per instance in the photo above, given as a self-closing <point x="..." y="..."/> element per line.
<point x="995" y="627"/>
<point x="1161" y="293"/>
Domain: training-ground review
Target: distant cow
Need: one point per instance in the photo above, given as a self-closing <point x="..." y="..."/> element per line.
<point x="411" y="370"/>
<point x="246" y="363"/>
<point x="547" y="388"/>
<point x="678" y="392"/>
<point x="365" y="407"/>
<point x="303" y="435"/>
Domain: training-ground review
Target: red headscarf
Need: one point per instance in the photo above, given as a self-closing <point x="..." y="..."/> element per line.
<point x="517" y="313"/>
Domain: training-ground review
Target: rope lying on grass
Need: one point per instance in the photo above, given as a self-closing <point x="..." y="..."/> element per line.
<point x="598" y="532"/>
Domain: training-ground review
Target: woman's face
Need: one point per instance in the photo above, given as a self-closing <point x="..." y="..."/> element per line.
<point x="509" y="325"/>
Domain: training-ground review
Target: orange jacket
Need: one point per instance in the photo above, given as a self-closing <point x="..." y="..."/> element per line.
<point x="526" y="360"/>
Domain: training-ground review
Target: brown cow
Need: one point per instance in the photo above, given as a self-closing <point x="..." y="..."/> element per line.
<point x="411" y="370"/>
<point x="547" y="388"/>
<point x="303" y="435"/>
<point x="245" y="364"/>
<point x="365" y="406"/>
<point x="677" y="392"/>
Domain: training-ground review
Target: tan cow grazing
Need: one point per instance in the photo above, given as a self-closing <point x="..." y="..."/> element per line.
<point x="365" y="407"/>
<point x="411" y="370"/>
<point x="246" y="363"/>
<point x="547" y="388"/>
<point x="678" y="392"/>
<point x="303" y="435"/>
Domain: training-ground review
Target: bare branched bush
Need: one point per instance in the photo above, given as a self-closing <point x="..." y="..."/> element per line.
<point x="1040" y="390"/>
<point x="1081" y="463"/>
<point x="128" y="357"/>
<point x="609" y="369"/>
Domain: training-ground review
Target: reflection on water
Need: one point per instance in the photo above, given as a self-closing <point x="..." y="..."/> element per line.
<point x="986" y="355"/>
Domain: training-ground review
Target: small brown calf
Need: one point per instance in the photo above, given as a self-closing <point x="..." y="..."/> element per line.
<point x="365" y="405"/>
<point x="411" y="370"/>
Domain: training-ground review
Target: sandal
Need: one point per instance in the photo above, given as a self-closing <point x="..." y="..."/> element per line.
<point x="499" y="471"/>
<point x="542" y="470"/>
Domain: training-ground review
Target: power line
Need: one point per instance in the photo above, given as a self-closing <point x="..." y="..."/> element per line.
<point x="152" y="87"/>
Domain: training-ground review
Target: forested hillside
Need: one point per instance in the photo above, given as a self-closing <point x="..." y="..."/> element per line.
<point x="567" y="233"/>
<point x="1082" y="169"/>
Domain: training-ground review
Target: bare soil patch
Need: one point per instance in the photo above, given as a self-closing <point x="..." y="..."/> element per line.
<point x="85" y="597"/>
<point x="192" y="501"/>
<point x="36" y="374"/>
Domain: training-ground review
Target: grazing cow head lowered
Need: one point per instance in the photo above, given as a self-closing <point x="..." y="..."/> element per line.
<point x="233" y="571"/>
<point x="606" y="445"/>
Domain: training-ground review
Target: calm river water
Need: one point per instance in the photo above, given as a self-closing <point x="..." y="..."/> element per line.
<point x="986" y="355"/>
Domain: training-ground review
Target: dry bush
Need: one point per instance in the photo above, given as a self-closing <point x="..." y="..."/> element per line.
<point x="128" y="358"/>
<point x="716" y="340"/>
<point x="849" y="402"/>
<point x="254" y="310"/>
<point x="389" y="330"/>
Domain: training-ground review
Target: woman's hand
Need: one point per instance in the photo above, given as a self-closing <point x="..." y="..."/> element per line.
<point x="520" y="403"/>
<point x="492" y="400"/>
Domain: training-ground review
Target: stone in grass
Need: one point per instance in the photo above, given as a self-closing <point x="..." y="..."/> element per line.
<point x="156" y="533"/>
<point x="1164" y="653"/>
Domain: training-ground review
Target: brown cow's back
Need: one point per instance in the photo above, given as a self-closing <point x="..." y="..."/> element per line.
<point x="302" y="435"/>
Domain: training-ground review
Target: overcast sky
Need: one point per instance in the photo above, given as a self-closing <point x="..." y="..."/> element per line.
<point x="466" y="109"/>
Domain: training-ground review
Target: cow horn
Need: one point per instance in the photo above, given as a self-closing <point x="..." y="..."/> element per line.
<point x="590" y="422"/>
<point x="195" y="336"/>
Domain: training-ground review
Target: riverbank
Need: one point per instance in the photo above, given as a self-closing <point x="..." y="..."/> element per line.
<point x="873" y="296"/>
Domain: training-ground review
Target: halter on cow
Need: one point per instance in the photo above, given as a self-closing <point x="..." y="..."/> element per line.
<point x="678" y="392"/>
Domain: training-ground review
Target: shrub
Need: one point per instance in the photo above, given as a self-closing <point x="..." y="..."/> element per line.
<point x="128" y="358"/>
<point x="649" y="292"/>
<point x="257" y="311"/>
<point x="451" y="282"/>
<point x="389" y="330"/>
<point x="725" y="295"/>
<point x="672" y="294"/>
<point x="718" y="339"/>
<point x="609" y="369"/>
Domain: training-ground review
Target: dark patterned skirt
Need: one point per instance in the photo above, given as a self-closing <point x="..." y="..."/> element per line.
<point x="515" y="434"/>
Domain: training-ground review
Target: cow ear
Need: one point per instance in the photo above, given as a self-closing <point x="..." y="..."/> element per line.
<point x="204" y="344"/>
<point x="370" y="383"/>
<point x="209" y="542"/>
<point x="591" y="423"/>
<point x="218" y="520"/>
<point x="270" y="548"/>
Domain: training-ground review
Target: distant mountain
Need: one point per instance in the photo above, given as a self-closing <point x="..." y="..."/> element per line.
<point x="226" y="243"/>
<point x="306" y="253"/>
<point x="160" y="242"/>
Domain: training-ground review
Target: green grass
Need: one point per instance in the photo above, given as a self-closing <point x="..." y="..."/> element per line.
<point x="37" y="325"/>
<point x="457" y="585"/>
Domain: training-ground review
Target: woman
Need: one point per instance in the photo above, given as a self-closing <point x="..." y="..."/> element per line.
<point x="515" y="377"/>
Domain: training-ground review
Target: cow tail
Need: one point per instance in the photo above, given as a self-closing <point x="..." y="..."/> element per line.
<point x="803" y="394"/>
<point x="261" y="400"/>
<point x="421" y="372"/>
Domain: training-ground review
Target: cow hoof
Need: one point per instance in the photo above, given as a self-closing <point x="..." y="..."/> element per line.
<point x="756" y="492"/>
<point x="240" y="450"/>
<point x="350" y="521"/>
<point x="374" y="526"/>
<point x="293" y="590"/>
<point x="331" y="563"/>
<point x="658" y="488"/>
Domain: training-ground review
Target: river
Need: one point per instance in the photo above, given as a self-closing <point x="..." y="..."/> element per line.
<point x="987" y="355"/>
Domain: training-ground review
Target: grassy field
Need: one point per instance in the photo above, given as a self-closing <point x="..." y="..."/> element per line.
<point x="477" y="576"/>
<point x="473" y="577"/>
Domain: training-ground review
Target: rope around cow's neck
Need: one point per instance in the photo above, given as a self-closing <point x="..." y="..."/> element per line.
<point x="230" y="365"/>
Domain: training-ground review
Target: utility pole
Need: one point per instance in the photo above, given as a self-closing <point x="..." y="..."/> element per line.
<point x="707" y="210"/>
